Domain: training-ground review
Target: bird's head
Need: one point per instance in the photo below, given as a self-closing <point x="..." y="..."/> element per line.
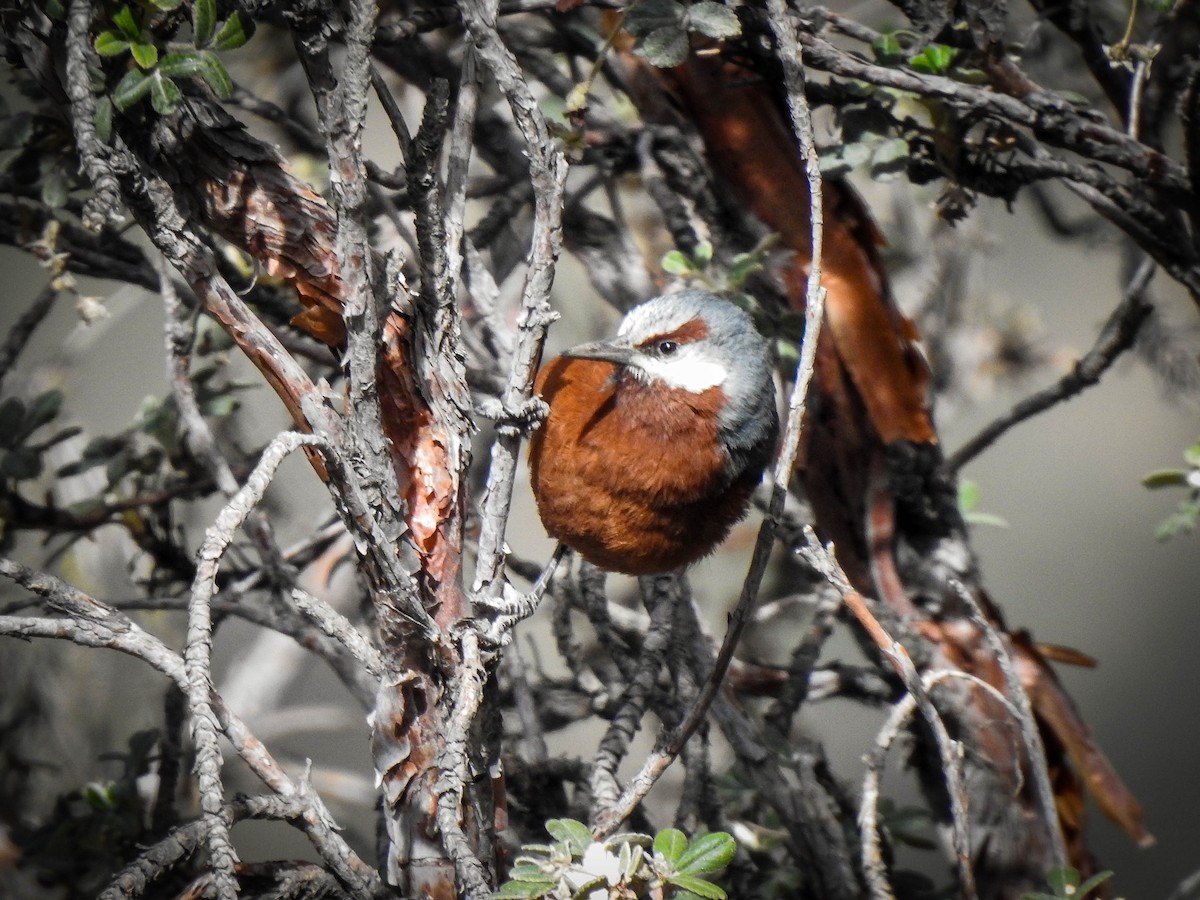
<point x="694" y="341"/>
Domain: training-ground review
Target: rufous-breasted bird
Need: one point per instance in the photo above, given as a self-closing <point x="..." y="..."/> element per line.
<point x="656" y="438"/>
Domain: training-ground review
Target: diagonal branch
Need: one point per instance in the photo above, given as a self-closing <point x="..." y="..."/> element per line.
<point x="547" y="173"/>
<point x="1117" y="336"/>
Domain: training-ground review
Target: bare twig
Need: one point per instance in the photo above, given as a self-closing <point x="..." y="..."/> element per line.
<point x="92" y="623"/>
<point x="97" y="161"/>
<point x="453" y="766"/>
<point x="1117" y="336"/>
<point x="23" y="328"/>
<point x="547" y="174"/>
<point x="949" y="750"/>
<point x="341" y="629"/>
<point x="874" y="867"/>
<point x="198" y="653"/>
<point x="608" y="810"/>
<point x="669" y="748"/>
<point x="1022" y="709"/>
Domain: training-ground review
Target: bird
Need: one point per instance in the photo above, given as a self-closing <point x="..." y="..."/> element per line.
<point x="656" y="438"/>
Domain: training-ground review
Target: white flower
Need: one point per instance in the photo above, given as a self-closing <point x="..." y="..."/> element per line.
<point x="598" y="862"/>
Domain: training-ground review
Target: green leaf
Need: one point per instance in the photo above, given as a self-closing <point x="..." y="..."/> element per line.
<point x="1165" y="478"/>
<point x="43" y="410"/>
<point x="131" y="89"/>
<point x="103" y="119"/>
<point x="743" y="266"/>
<point x="584" y="891"/>
<point x="572" y="832"/>
<point x="64" y="435"/>
<point x="714" y="20"/>
<point x="968" y="495"/>
<point x="166" y="5"/>
<point x="933" y="60"/>
<point x="55" y="189"/>
<point x="703" y="253"/>
<point x="670" y="843"/>
<point x="21" y="463"/>
<point x="165" y="95"/>
<point x="707" y="853"/>
<point x="675" y="262"/>
<point x="887" y="47"/>
<point x="1061" y="879"/>
<point x="103" y="447"/>
<point x="181" y="65"/>
<point x="119" y="466"/>
<point x="531" y="872"/>
<point x="146" y="55"/>
<point x="522" y="890"/>
<point x="219" y="407"/>
<point x="665" y="48"/>
<point x="697" y="886"/>
<point x="125" y="20"/>
<point x="237" y="29"/>
<point x="204" y="21"/>
<point x="110" y="43"/>
<point x="1192" y="455"/>
<point x="54" y="9"/>
<point x="1092" y="883"/>
<point x="651" y="15"/>
<point x="215" y="74"/>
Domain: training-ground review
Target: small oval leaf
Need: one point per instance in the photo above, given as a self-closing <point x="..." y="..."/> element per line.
<point x="110" y="43"/>
<point x="131" y="89"/>
<point x="572" y="832"/>
<point x="204" y="21"/>
<point x="146" y="55"/>
<point x="707" y="853"/>
<point x="165" y="95"/>
<point x="670" y="844"/>
<point x="237" y="29"/>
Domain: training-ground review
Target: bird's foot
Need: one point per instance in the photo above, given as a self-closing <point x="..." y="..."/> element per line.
<point x="512" y="607"/>
<point x="517" y="419"/>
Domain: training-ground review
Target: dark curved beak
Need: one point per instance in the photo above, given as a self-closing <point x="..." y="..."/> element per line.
<point x="609" y="351"/>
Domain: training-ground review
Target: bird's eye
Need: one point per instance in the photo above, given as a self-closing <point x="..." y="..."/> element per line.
<point x="666" y="348"/>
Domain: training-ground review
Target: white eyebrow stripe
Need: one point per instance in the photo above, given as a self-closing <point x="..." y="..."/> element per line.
<point x="685" y="370"/>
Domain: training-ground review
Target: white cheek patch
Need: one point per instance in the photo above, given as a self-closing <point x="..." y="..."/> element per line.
<point x="685" y="370"/>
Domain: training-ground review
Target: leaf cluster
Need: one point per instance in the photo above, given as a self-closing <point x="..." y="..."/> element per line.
<point x="158" y="68"/>
<point x="94" y="828"/>
<point x="21" y="456"/>
<point x="662" y="28"/>
<point x="576" y="866"/>
<point x="1186" y="516"/>
<point x="1068" y="884"/>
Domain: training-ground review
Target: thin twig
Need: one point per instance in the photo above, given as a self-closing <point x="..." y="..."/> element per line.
<point x="96" y="624"/>
<point x="608" y="809"/>
<point x="23" y="328"/>
<point x="197" y="655"/>
<point x="453" y="764"/>
<point x="97" y="161"/>
<point x="949" y="750"/>
<point x="661" y="759"/>
<point x="547" y="175"/>
<point x="1117" y="336"/>
<point x="1031" y="737"/>
<point x="158" y="859"/>
<point x="341" y="629"/>
<point x="874" y="867"/>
